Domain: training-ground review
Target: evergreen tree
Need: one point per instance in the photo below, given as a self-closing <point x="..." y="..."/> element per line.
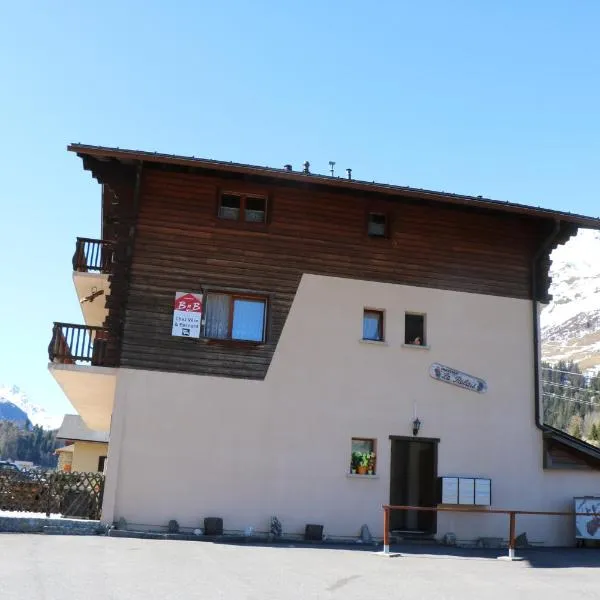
<point x="33" y="444"/>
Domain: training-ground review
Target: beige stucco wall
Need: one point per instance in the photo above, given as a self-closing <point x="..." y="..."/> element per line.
<point x="185" y="447"/>
<point x="86" y="455"/>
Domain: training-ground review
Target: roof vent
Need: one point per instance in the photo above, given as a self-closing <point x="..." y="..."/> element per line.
<point x="349" y="171"/>
<point x="288" y="168"/>
<point x="306" y="166"/>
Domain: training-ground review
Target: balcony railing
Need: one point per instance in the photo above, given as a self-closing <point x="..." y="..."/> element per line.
<point x="81" y="344"/>
<point x="93" y="256"/>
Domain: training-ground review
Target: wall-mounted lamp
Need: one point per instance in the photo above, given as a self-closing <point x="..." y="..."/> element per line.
<point x="416" y="426"/>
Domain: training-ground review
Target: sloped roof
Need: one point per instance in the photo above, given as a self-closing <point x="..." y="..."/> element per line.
<point x="575" y="444"/>
<point x="70" y="448"/>
<point x="73" y="428"/>
<point x="131" y="157"/>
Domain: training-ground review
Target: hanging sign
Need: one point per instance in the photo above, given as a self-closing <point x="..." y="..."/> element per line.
<point x="454" y="377"/>
<point x="187" y="315"/>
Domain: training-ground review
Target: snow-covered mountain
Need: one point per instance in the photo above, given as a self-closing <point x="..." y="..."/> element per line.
<point x="14" y="403"/>
<point x="571" y="322"/>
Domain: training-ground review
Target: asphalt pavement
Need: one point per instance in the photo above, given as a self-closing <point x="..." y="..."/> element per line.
<point x="44" y="567"/>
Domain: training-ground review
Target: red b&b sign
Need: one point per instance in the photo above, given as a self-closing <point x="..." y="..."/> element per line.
<point x="187" y="314"/>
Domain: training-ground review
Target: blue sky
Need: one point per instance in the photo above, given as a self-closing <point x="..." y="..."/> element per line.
<point x="499" y="99"/>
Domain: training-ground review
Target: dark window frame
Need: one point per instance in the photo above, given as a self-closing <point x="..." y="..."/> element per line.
<point x="386" y="225"/>
<point x="381" y="326"/>
<point x="244" y="196"/>
<point x="409" y="334"/>
<point x="233" y="296"/>
<point x="101" y="463"/>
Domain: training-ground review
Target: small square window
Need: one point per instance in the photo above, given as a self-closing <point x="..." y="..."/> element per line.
<point x="363" y="457"/>
<point x="230" y="206"/>
<point x="373" y="325"/>
<point x="414" y="329"/>
<point x="377" y="225"/>
<point x="255" y="209"/>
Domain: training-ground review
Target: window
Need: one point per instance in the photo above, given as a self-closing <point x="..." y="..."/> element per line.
<point x="373" y="325"/>
<point x="101" y="462"/>
<point x="377" y="225"/>
<point x="235" y="317"/>
<point x="248" y="208"/>
<point x="363" y="459"/>
<point x="414" y="329"/>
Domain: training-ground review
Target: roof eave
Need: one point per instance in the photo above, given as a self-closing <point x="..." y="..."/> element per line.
<point x="134" y="156"/>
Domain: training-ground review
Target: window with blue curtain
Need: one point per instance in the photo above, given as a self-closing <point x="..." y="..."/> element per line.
<point x="373" y="325"/>
<point x="248" y="320"/>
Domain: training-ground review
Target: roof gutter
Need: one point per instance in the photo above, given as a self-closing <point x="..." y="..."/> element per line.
<point x="547" y="243"/>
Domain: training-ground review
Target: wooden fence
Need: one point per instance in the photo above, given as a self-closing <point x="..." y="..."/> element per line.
<point x="68" y="494"/>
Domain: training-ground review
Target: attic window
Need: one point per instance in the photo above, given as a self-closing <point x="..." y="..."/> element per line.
<point x="377" y="225"/>
<point x="248" y="208"/>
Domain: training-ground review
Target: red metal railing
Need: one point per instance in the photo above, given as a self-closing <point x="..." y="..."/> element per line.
<point x="493" y="511"/>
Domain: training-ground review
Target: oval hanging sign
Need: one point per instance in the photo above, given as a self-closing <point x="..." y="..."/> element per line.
<point x="458" y="378"/>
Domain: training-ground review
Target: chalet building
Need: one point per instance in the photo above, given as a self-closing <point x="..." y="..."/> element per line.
<point x="85" y="450"/>
<point x="270" y="342"/>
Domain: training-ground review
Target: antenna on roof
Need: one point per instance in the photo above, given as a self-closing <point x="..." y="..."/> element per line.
<point x="331" y="165"/>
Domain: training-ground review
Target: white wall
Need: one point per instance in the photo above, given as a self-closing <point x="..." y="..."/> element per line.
<point x="185" y="447"/>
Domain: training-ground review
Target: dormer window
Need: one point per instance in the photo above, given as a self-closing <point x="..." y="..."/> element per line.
<point x="248" y="208"/>
<point x="377" y="225"/>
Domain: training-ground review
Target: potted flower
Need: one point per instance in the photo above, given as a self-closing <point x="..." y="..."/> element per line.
<point x="363" y="464"/>
<point x="355" y="462"/>
<point x="371" y="464"/>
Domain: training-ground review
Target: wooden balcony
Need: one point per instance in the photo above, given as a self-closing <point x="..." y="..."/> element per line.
<point x="82" y="345"/>
<point x="93" y="256"/>
<point x="82" y="361"/>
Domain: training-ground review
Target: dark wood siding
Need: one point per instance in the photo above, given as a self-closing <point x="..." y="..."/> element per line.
<point x="181" y="245"/>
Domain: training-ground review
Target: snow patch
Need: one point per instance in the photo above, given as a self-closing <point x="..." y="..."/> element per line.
<point x="36" y="414"/>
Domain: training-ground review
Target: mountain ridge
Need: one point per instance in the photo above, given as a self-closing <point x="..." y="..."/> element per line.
<point x="570" y="323"/>
<point x="13" y="401"/>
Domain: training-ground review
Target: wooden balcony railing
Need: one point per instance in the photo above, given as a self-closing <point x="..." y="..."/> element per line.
<point x="81" y="344"/>
<point x="92" y="256"/>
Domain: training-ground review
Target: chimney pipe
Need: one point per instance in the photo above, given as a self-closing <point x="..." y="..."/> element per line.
<point x="306" y="169"/>
<point x="349" y="171"/>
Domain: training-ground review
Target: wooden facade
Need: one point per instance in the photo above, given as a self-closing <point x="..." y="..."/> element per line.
<point x="163" y="221"/>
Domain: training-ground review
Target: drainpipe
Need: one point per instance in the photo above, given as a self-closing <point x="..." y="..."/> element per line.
<point x="534" y="305"/>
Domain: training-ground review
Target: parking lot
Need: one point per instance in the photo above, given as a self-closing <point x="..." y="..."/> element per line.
<point x="42" y="567"/>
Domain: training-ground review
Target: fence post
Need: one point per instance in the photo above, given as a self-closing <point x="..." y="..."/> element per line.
<point x="386" y="529"/>
<point x="49" y="477"/>
<point x="511" y="537"/>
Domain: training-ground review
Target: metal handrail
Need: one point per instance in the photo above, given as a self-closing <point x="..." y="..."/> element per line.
<point x="387" y="508"/>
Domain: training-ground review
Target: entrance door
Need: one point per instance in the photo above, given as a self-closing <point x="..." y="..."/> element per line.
<point x="413" y="482"/>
